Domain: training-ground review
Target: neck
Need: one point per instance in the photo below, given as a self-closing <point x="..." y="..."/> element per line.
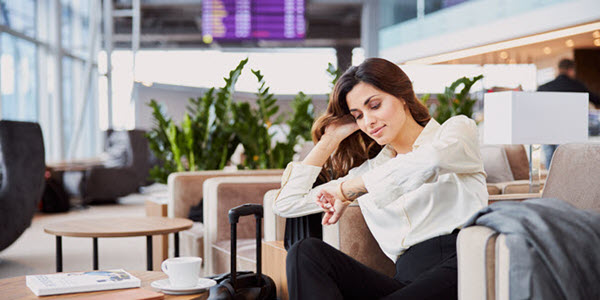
<point x="409" y="134"/>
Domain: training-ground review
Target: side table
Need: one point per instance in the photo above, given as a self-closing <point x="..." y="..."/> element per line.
<point x="15" y="288"/>
<point x="117" y="227"/>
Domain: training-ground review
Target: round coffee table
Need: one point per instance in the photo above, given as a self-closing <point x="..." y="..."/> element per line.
<point x="117" y="227"/>
<point x="15" y="288"/>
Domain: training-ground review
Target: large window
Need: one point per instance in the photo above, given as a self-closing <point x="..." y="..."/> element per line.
<point x="18" y="82"/>
<point x="44" y="48"/>
<point x="19" y="15"/>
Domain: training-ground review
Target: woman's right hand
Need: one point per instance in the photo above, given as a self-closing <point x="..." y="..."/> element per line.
<point x="341" y="129"/>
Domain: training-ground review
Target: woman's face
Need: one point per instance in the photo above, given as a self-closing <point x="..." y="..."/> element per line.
<point x="378" y="114"/>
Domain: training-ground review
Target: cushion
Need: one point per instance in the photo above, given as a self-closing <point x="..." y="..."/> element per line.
<point x="246" y="256"/>
<point x="519" y="163"/>
<point x="495" y="164"/>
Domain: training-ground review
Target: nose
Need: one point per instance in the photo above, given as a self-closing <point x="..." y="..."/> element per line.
<point x="368" y="120"/>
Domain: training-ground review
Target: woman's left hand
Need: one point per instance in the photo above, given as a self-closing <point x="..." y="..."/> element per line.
<point x="331" y="201"/>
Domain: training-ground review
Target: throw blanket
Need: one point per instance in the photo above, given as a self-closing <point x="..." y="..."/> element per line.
<point x="554" y="247"/>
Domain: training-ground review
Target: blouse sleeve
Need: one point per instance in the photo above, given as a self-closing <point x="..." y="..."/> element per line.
<point x="455" y="150"/>
<point x="297" y="197"/>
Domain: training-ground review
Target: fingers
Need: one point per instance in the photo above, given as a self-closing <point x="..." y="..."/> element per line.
<point x="334" y="217"/>
<point x="325" y="201"/>
<point x="326" y="218"/>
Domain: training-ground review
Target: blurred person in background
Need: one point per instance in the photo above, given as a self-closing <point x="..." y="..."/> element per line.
<point x="565" y="82"/>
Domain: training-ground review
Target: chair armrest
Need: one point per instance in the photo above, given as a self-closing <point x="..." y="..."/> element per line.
<point x="224" y="193"/>
<point x="475" y="252"/>
<point x="502" y="266"/>
<point x="513" y="197"/>
<point x="493" y="189"/>
<point x="186" y="188"/>
<point x="517" y="186"/>
<point x="274" y="225"/>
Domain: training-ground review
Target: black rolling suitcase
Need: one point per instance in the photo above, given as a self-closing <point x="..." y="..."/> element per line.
<point x="244" y="285"/>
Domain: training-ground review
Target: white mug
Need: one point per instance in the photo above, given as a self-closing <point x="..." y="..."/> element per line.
<point x="183" y="272"/>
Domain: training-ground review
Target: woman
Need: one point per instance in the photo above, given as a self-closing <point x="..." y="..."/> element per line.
<point x="416" y="183"/>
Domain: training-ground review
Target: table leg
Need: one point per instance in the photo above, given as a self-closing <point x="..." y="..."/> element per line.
<point x="149" y="252"/>
<point x="95" y="246"/>
<point x="176" y="242"/>
<point x="59" y="253"/>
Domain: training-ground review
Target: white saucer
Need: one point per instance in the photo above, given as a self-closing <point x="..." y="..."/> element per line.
<point x="165" y="286"/>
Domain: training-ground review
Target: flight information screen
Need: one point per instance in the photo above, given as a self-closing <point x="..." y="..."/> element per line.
<point x="253" y="19"/>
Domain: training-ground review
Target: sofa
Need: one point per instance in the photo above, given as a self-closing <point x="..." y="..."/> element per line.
<point x="124" y="169"/>
<point x="483" y="257"/>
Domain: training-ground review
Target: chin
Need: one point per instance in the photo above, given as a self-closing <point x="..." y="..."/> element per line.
<point x="381" y="141"/>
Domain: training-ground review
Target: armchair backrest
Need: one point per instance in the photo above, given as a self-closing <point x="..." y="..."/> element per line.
<point x="574" y="175"/>
<point x="22" y="166"/>
<point x="186" y="188"/>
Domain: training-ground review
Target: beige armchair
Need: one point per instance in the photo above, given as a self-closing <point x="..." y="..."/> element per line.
<point x="483" y="257"/>
<point x="507" y="167"/>
<point x="186" y="190"/>
<point x="220" y="195"/>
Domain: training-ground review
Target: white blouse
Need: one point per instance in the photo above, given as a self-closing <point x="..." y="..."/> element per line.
<point x="412" y="197"/>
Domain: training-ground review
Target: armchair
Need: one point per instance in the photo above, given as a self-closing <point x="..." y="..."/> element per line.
<point x="21" y="177"/>
<point x="186" y="189"/>
<point x="483" y="257"/>
<point x="350" y="235"/>
<point x="507" y="167"/>
<point x="220" y="195"/>
<point x="125" y="169"/>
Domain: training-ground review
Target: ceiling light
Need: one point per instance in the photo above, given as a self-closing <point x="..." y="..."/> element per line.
<point x="570" y="43"/>
<point x="596" y="34"/>
<point x="207" y="38"/>
<point x="547" y="50"/>
<point x="597" y="42"/>
<point x="503" y="55"/>
<point x="538" y="38"/>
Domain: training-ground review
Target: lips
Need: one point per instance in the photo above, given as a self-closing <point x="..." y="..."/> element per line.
<point x="377" y="131"/>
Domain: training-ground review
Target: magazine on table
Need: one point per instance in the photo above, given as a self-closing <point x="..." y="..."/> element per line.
<point x="75" y="282"/>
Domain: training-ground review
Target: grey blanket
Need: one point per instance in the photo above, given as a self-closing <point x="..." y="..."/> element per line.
<point x="554" y="247"/>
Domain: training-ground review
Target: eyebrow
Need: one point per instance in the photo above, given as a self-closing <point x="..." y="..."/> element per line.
<point x="365" y="103"/>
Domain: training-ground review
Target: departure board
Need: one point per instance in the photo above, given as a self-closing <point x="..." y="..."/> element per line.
<point x="252" y="20"/>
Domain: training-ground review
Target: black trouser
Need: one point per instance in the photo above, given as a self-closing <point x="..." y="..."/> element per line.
<point x="426" y="270"/>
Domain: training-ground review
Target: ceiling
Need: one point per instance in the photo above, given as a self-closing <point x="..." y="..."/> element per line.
<point x="177" y="24"/>
<point x="543" y="54"/>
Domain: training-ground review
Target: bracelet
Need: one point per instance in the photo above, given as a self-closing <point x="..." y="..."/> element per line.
<point x="344" y="198"/>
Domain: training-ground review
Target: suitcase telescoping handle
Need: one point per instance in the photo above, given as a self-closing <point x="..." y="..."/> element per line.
<point x="234" y="216"/>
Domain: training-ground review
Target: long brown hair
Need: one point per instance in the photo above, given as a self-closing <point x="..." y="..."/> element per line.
<point x="358" y="147"/>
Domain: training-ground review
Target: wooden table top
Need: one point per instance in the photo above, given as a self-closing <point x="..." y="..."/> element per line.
<point x="15" y="288"/>
<point x="75" y="165"/>
<point x="118" y="227"/>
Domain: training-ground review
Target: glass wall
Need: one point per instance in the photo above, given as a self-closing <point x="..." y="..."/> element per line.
<point x="18" y="73"/>
<point x="44" y="48"/>
<point x="19" y="15"/>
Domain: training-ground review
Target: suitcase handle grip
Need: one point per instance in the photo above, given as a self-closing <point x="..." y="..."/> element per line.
<point x="245" y="210"/>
